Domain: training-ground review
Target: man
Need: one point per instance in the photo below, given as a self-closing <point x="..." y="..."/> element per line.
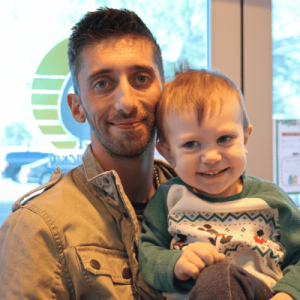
<point x="77" y="239"/>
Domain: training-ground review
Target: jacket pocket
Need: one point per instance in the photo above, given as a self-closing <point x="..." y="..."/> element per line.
<point x="98" y="273"/>
<point x="106" y="262"/>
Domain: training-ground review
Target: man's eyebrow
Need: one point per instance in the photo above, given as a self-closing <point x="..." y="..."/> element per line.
<point x="147" y="68"/>
<point x="99" y="73"/>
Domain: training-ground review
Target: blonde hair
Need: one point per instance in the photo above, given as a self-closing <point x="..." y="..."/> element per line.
<point x="198" y="90"/>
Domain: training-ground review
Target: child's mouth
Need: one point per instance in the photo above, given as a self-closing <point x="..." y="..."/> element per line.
<point x="215" y="173"/>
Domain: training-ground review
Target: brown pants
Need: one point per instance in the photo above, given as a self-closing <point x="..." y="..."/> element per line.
<point x="229" y="282"/>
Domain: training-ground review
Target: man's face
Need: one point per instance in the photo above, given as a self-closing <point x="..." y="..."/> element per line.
<point x="119" y="87"/>
<point x="209" y="157"/>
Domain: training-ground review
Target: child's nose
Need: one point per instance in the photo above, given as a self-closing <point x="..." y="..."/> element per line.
<point x="210" y="156"/>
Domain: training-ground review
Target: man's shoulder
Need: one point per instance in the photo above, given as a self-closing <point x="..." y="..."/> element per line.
<point x="57" y="190"/>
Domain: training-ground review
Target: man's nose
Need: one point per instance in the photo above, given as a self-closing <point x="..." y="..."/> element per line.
<point x="126" y="99"/>
<point x="210" y="156"/>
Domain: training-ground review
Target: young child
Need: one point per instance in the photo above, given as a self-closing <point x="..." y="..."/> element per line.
<point x="238" y="235"/>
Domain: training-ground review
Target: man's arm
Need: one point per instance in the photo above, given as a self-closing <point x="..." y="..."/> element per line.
<point x="30" y="264"/>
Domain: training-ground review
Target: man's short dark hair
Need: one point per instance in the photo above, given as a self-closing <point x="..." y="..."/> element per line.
<point x="101" y="24"/>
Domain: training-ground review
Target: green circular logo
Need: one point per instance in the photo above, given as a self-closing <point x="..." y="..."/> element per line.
<point x="51" y="84"/>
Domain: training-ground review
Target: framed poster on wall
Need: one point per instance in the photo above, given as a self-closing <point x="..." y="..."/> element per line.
<point x="287" y="155"/>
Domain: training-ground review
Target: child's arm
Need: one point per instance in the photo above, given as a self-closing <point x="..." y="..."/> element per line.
<point x="289" y="238"/>
<point x="156" y="260"/>
<point x="195" y="258"/>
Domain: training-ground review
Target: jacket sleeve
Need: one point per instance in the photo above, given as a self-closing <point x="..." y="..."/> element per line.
<point x="156" y="260"/>
<point x="289" y="218"/>
<point x="29" y="260"/>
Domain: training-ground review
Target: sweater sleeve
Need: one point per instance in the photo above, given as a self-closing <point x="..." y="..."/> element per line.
<point x="288" y="234"/>
<point x="289" y="219"/>
<point x="156" y="260"/>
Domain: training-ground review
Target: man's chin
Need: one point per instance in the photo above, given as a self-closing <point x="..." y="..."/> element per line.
<point x="132" y="152"/>
<point x="128" y="147"/>
<point x="126" y="143"/>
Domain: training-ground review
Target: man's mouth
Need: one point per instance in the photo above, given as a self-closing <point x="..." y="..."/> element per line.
<point x="128" y="124"/>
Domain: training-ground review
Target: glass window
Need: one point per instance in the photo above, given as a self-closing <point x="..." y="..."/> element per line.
<point x="286" y="95"/>
<point x="37" y="132"/>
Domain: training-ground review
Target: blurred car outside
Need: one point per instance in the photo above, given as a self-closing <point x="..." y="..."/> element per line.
<point x="37" y="167"/>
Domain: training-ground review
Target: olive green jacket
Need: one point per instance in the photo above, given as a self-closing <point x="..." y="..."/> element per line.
<point x="76" y="239"/>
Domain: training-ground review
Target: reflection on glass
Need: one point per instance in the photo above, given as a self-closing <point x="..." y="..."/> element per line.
<point x="286" y="76"/>
<point x="286" y="59"/>
<point x="36" y="134"/>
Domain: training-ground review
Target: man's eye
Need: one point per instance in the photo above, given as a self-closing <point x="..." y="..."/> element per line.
<point x="102" y="84"/>
<point x="224" y="139"/>
<point x="191" y="144"/>
<point x="142" y="78"/>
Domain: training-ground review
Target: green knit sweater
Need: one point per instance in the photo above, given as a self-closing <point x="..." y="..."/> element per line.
<point x="258" y="229"/>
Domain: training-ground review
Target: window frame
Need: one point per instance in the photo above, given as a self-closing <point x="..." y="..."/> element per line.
<point x="247" y="59"/>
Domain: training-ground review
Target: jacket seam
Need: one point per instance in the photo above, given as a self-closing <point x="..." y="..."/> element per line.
<point x="58" y="244"/>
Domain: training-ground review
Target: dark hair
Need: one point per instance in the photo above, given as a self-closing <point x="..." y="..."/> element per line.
<point x="101" y="24"/>
<point x="196" y="90"/>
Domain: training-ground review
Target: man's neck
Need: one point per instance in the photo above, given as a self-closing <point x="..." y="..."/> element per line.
<point x="136" y="173"/>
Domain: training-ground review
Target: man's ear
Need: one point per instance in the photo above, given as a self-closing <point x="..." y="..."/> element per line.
<point x="164" y="149"/>
<point x="247" y="134"/>
<point x="76" y="108"/>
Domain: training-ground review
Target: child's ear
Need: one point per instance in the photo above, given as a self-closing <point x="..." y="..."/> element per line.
<point x="247" y="134"/>
<point x="164" y="149"/>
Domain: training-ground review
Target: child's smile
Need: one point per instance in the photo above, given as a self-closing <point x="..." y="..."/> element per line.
<point x="213" y="174"/>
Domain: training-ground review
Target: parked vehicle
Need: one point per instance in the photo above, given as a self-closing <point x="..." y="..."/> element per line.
<point x="11" y="170"/>
<point x="36" y="167"/>
<point x="16" y="160"/>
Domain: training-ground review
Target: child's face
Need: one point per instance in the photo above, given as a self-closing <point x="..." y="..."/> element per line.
<point x="209" y="157"/>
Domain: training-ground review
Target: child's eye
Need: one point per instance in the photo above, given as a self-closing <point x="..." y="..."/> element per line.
<point x="191" y="144"/>
<point x="224" y="139"/>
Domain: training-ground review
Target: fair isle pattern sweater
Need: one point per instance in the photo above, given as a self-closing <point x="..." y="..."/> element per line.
<point x="258" y="230"/>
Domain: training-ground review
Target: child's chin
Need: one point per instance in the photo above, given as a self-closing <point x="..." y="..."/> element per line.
<point x="212" y="193"/>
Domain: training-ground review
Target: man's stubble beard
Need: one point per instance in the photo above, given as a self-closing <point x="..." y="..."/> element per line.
<point x="130" y="145"/>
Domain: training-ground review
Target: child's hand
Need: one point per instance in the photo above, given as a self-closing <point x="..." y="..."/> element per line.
<point x="282" y="296"/>
<point x="195" y="258"/>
